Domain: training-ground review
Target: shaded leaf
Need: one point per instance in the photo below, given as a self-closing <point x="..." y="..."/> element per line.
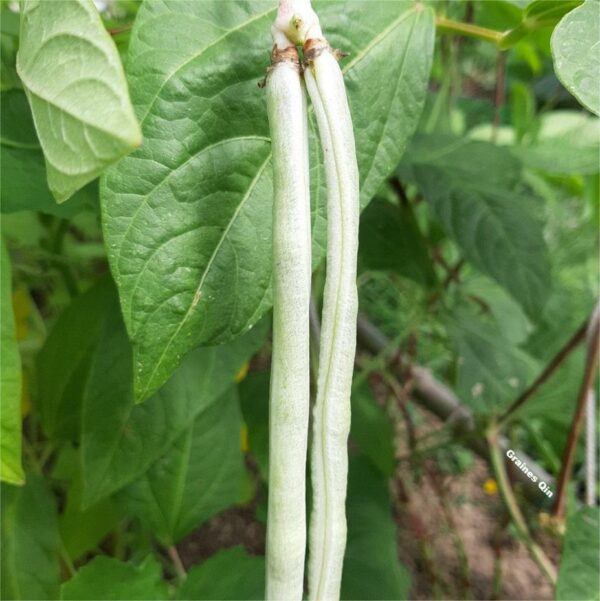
<point x="491" y="370"/>
<point x="191" y="255"/>
<point x="83" y="117"/>
<point x="82" y="530"/>
<point x="390" y="240"/>
<point x="371" y="566"/>
<point x="371" y="429"/>
<point x="10" y="380"/>
<point x="471" y="187"/>
<point x="63" y="363"/>
<point x="201" y="474"/>
<point x="30" y="542"/>
<point x="108" y="578"/>
<point x="228" y="575"/>
<point x="578" y="574"/>
<point x="16" y="123"/>
<point x="576" y="53"/>
<point x="23" y="186"/>
<point x="120" y="440"/>
<point x="254" y="399"/>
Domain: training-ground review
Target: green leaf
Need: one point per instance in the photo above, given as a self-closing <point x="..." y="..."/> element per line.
<point x="63" y="363"/>
<point x="82" y="530"/>
<point x="491" y="370"/>
<point x="23" y="186"/>
<point x="472" y="189"/>
<point x="228" y="575"/>
<point x="538" y="14"/>
<point x="371" y="566"/>
<point x="108" y="578"/>
<point x="371" y="429"/>
<point x="254" y="399"/>
<point x="576" y="53"/>
<point x="75" y="84"/>
<point x="568" y="142"/>
<point x="578" y="574"/>
<point x="120" y="439"/>
<point x="30" y="542"/>
<point x="390" y="240"/>
<point x="201" y="474"/>
<point x="16" y="123"/>
<point x="190" y="253"/>
<point x="10" y="380"/>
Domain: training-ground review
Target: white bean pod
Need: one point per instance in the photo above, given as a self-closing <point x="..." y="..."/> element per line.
<point x="290" y="371"/>
<point x="329" y="456"/>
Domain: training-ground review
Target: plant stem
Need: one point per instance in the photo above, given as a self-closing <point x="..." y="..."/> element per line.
<point x="554" y="364"/>
<point x="512" y="506"/>
<point x="500" y="92"/>
<point x="177" y="563"/>
<point x="591" y="367"/>
<point x="290" y="367"/>
<point x="445" y="25"/>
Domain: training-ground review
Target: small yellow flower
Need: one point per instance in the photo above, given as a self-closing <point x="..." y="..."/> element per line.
<point x="243" y="372"/>
<point x="490" y="487"/>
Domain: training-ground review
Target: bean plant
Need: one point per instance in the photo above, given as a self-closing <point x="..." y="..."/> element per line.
<point x="261" y="318"/>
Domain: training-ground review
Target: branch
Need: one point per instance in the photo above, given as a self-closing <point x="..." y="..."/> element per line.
<point x="554" y="364"/>
<point x="591" y="367"/>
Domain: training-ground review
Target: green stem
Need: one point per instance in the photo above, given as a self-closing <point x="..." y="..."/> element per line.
<point x="510" y="501"/>
<point x="445" y="25"/>
<point x="177" y="563"/>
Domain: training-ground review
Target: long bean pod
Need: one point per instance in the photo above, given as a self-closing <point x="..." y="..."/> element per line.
<point x="290" y="371"/>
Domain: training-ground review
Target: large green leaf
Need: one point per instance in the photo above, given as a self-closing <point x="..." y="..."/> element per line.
<point x="578" y="574"/>
<point x="201" y="474"/>
<point x="10" y="381"/>
<point x="187" y="217"/>
<point x="63" y="362"/>
<point x="390" y="239"/>
<point x="108" y="578"/>
<point x="30" y="542"/>
<point x="472" y="189"/>
<point x="371" y="566"/>
<point x="75" y="84"/>
<point x="576" y="53"/>
<point x="228" y="575"/>
<point x="120" y="440"/>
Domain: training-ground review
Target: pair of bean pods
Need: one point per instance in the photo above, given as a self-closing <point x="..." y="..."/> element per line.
<point x="286" y="85"/>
